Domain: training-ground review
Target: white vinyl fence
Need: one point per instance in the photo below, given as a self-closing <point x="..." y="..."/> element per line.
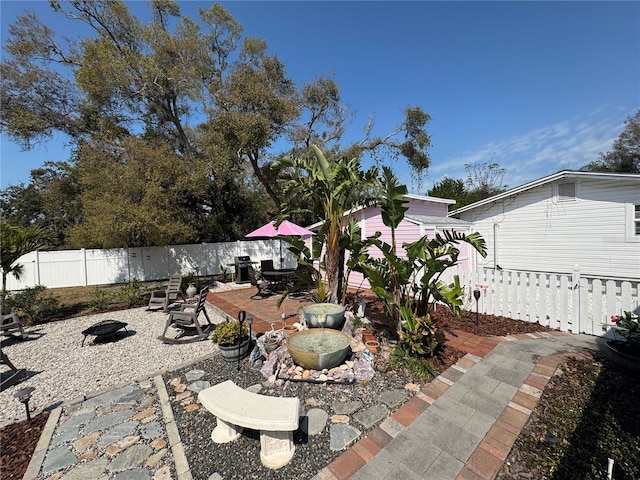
<point x="570" y="303"/>
<point x="70" y="268"/>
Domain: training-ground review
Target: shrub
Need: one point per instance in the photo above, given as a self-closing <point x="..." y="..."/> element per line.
<point x="228" y="333"/>
<point x="401" y="357"/>
<point x="100" y="300"/>
<point x="34" y="303"/>
<point x="131" y="292"/>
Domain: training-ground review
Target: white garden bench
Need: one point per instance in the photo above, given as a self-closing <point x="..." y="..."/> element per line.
<point x="235" y="409"/>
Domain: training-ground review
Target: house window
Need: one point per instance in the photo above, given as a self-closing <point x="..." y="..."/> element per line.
<point x="636" y="219"/>
<point x="566" y="191"/>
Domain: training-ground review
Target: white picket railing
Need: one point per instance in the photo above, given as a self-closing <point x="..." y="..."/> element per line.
<point x="569" y="302"/>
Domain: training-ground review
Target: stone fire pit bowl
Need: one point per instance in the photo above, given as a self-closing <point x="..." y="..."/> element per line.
<point x="329" y="315"/>
<point x="317" y="349"/>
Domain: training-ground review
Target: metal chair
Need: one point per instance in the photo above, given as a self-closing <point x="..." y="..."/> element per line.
<point x="264" y="287"/>
<point x="187" y="319"/>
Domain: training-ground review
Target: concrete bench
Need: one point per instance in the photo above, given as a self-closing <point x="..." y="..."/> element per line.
<point x="235" y="409"/>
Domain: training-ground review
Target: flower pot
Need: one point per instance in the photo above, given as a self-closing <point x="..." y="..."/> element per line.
<point x="373" y="346"/>
<point x="290" y="330"/>
<point x="231" y="353"/>
<point x="624" y="354"/>
<point x="270" y="345"/>
<point x="368" y="337"/>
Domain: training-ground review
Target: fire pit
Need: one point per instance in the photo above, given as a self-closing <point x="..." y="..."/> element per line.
<point x="103" y="329"/>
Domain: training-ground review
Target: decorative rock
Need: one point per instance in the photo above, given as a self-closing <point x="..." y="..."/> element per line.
<point x="180" y="388"/>
<point x="182" y="396"/>
<point x="347" y="408"/>
<point x="147" y="402"/>
<point x="297" y="377"/>
<point x="163" y="473"/>
<point x="191" y="408"/>
<point x="255" y="388"/>
<point x="92" y="469"/>
<point x="198" y="386"/>
<point x="135" y="474"/>
<point x="152" y="430"/>
<point x="313" y="402"/>
<point x="143" y="414"/>
<point x="115" y="448"/>
<point x="306" y="374"/>
<point x="412" y="387"/>
<point x="85" y="442"/>
<point x="341" y="436"/>
<point x="339" y="419"/>
<point x="349" y="363"/>
<point x="148" y="419"/>
<point x="316" y="420"/>
<point x="132" y="457"/>
<point x="116" y="433"/>
<point x="89" y="455"/>
<point x="175" y="382"/>
<point x="159" y="443"/>
<point x="393" y="398"/>
<point x="194" y="375"/>
<point x="145" y="383"/>
<point x="187" y="401"/>
<point x="323" y="377"/>
<point x="153" y="460"/>
<point x="370" y="416"/>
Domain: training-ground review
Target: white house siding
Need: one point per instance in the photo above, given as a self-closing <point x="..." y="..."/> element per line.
<point x="536" y="232"/>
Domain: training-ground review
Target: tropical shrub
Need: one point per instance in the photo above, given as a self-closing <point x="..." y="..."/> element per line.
<point x="100" y="300"/>
<point x="33" y="302"/>
<point x="131" y="292"/>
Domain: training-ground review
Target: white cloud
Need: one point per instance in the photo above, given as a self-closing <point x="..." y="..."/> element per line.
<point x="568" y="144"/>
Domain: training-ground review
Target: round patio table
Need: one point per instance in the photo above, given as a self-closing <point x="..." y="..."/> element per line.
<point x="103" y="329"/>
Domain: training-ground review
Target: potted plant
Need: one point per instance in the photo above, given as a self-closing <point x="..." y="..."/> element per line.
<point x="626" y="353"/>
<point x="232" y="339"/>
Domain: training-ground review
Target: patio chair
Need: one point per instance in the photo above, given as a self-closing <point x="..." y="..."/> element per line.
<point x="266" y="265"/>
<point x="12" y="322"/>
<point x="165" y="298"/>
<point x="264" y="287"/>
<point x="186" y="319"/>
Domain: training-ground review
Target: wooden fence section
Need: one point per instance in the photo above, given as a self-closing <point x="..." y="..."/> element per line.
<point x="570" y="303"/>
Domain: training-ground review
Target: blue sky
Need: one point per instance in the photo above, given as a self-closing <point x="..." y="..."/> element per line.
<point x="533" y="86"/>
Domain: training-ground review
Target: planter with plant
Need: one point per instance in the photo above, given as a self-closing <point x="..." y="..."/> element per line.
<point x="232" y="339"/>
<point x="626" y="352"/>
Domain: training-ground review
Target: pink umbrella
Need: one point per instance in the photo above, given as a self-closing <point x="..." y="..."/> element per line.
<point x="285" y="228"/>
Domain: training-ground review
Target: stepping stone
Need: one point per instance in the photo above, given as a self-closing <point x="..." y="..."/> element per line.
<point x="314" y="422"/>
<point x="198" y="386"/>
<point x="114" y="396"/>
<point x="135" y="474"/>
<point x="92" y="469"/>
<point x="117" y="433"/>
<point x="57" y="459"/>
<point x="108" y="421"/>
<point x="194" y="375"/>
<point x="341" y="436"/>
<point x="131" y="458"/>
<point x="393" y="398"/>
<point x="372" y="415"/>
<point x="347" y="408"/>
<point x="152" y="430"/>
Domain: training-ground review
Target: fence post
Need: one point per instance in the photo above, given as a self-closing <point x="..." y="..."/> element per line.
<point x="83" y="254"/>
<point x="575" y="300"/>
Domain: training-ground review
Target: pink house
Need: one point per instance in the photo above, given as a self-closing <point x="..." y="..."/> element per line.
<point x="425" y="216"/>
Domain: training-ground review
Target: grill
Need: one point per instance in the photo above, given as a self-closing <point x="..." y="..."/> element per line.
<point x="242" y="264"/>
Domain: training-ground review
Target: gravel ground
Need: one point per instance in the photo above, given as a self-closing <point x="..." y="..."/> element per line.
<point x="61" y="369"/>
<point x="241" y="459"/>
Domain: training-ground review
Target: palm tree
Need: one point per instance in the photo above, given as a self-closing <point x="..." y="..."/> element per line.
<point x="332" y="188"/>
<point x="15" y="242"/>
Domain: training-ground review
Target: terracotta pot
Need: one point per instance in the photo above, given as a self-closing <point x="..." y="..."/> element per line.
<point x="290" y="330"/>
<point x="372" y="345"/>
<point x="368" y="337"/>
